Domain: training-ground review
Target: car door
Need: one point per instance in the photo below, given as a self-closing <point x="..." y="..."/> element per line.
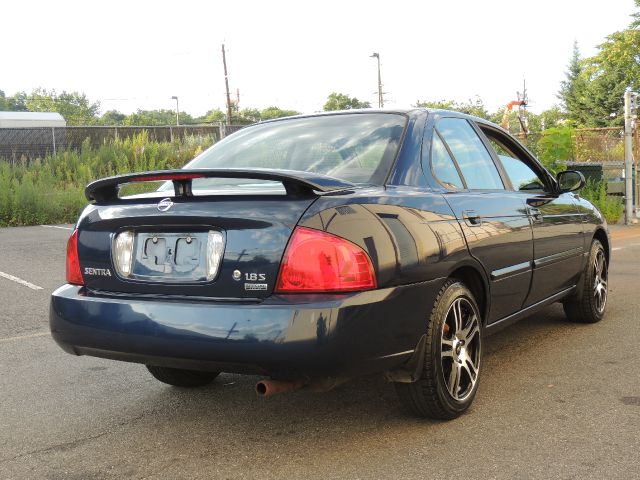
<point x="558" y="241"/>
<point x="493" y="218"/>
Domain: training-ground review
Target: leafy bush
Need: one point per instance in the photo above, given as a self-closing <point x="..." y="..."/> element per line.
<point x="596" y="193"/>
<point x="555" y="147"/>
<point x="51" y="189"/>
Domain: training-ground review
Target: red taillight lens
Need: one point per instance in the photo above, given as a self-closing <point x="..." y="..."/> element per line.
<point x="74" y="274"/>
<point x="317" y="262"/>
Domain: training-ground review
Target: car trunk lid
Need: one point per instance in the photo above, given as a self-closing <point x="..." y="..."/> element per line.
<point x="177" y="243"/>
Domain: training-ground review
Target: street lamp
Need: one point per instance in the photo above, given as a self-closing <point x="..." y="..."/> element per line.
<point x="177" y="110"/>
<point x="380" y="100"/>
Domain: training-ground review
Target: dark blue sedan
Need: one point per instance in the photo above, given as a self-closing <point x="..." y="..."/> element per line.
<point x="313" y="249"/>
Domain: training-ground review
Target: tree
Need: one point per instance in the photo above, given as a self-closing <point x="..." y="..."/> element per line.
<point x="536" y="122"/>
<point x="573" y="92"/>
<point x="16" y="103"/>
<point x="112" y="117"/>
<point x="156" y="118"/>
<point x="74" y="107"/>
<point x="636" y="17"/>
<point x="275" y="112"/>
<point x="212" y="116"/>
<point x="246" y="116"/>
<point x="614" y="68"/>
<point x="552" y="117"/>
<point x="471" y="107"/>
<point x="592" y="93"/>
<point x="341" y="101"/>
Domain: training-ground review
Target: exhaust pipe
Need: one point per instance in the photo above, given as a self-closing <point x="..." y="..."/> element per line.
<point x="267" y="387"/>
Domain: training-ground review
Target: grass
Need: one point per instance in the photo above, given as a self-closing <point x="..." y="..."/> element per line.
<point x="51" y="189"/>
<point x="596" y="193"/>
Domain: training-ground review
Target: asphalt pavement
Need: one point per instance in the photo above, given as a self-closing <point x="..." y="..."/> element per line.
<point x="556" y="400"/>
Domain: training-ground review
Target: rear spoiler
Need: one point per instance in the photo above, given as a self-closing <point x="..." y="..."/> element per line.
<point x="295" y="182"/>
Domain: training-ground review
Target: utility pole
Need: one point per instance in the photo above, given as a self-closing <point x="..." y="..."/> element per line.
<point x="380" y="99"/>
<point x="177" y="110"/>
<point x="628" y="158"/>
<point x="226" y="83"/>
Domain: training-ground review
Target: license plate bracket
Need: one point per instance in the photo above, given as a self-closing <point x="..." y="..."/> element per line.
<point x="170" y="257"/>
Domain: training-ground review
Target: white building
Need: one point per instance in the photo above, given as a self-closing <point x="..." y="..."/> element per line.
<point x="31" y="119"/>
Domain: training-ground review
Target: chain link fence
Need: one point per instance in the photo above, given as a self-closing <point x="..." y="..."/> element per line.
<point x="26" y="144"/>
<point x="600" y="152"/>
<point x="599" y="144"/>
<point x="17" y="144"/>
<point x="530" y="140"/>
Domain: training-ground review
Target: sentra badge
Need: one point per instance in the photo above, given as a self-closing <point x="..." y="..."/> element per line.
<point x="97" y="272"/>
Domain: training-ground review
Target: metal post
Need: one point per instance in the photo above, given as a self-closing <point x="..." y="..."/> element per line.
<point x="634" y="123"/>
<point x="628" y="159"/>
<point x="53" y="136"/>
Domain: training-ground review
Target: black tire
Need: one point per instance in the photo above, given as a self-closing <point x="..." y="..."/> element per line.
<point x="182" y="378"/>
<point x="431" y="396"/>
<point x="590" y="305"/>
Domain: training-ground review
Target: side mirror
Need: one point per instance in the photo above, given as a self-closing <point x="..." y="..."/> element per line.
<point x="570" y="181"/>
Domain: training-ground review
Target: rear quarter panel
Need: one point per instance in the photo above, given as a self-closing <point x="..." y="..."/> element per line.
<point x="410" y="235"/>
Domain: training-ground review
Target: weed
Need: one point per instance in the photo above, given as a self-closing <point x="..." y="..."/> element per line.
<point x="51" y="189"/>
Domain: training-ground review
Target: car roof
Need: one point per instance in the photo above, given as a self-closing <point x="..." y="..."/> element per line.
<point x="404" y="111"/>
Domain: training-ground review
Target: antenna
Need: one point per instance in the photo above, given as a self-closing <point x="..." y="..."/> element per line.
<point x="522" y="109"/>
<point x="521" y="103"/>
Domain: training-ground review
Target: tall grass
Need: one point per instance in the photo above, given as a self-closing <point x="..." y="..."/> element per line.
<point x="51" y="189"/>
<point x="596" y="193"/>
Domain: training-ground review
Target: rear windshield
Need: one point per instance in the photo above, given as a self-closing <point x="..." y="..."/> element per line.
<point x="355" y="147"/>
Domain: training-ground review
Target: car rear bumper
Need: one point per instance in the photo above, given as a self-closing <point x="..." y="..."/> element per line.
<point x="288" y="336"/>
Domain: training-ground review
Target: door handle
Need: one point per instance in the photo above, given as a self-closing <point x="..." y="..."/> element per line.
<point x="535" y="214"/>
<point x="471" y="218"/>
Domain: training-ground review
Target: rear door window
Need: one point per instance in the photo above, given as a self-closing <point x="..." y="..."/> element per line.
<point x="443" y="165"/>
<point x="472" y="157"/>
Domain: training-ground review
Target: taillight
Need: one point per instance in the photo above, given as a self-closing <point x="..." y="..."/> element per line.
<point x="74" y="274"/>
<point x="317" y="262"/>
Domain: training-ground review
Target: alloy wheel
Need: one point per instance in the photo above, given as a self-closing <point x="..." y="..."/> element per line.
<point x="600" y="281"/>
<point x="460" y="352"/>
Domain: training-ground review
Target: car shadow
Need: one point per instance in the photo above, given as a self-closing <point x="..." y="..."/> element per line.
<point x="363" y="404"/>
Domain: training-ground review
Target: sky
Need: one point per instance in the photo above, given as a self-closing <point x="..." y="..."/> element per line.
<point x="133" y="55"/>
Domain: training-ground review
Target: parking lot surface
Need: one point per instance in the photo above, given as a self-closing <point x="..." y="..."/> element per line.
<point x="557" y="400"/>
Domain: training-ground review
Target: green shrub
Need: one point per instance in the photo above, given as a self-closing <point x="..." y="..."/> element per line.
<point x="51" y="189"/>
<point x="555" y="147"/>
<point x="596" y="193"/>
